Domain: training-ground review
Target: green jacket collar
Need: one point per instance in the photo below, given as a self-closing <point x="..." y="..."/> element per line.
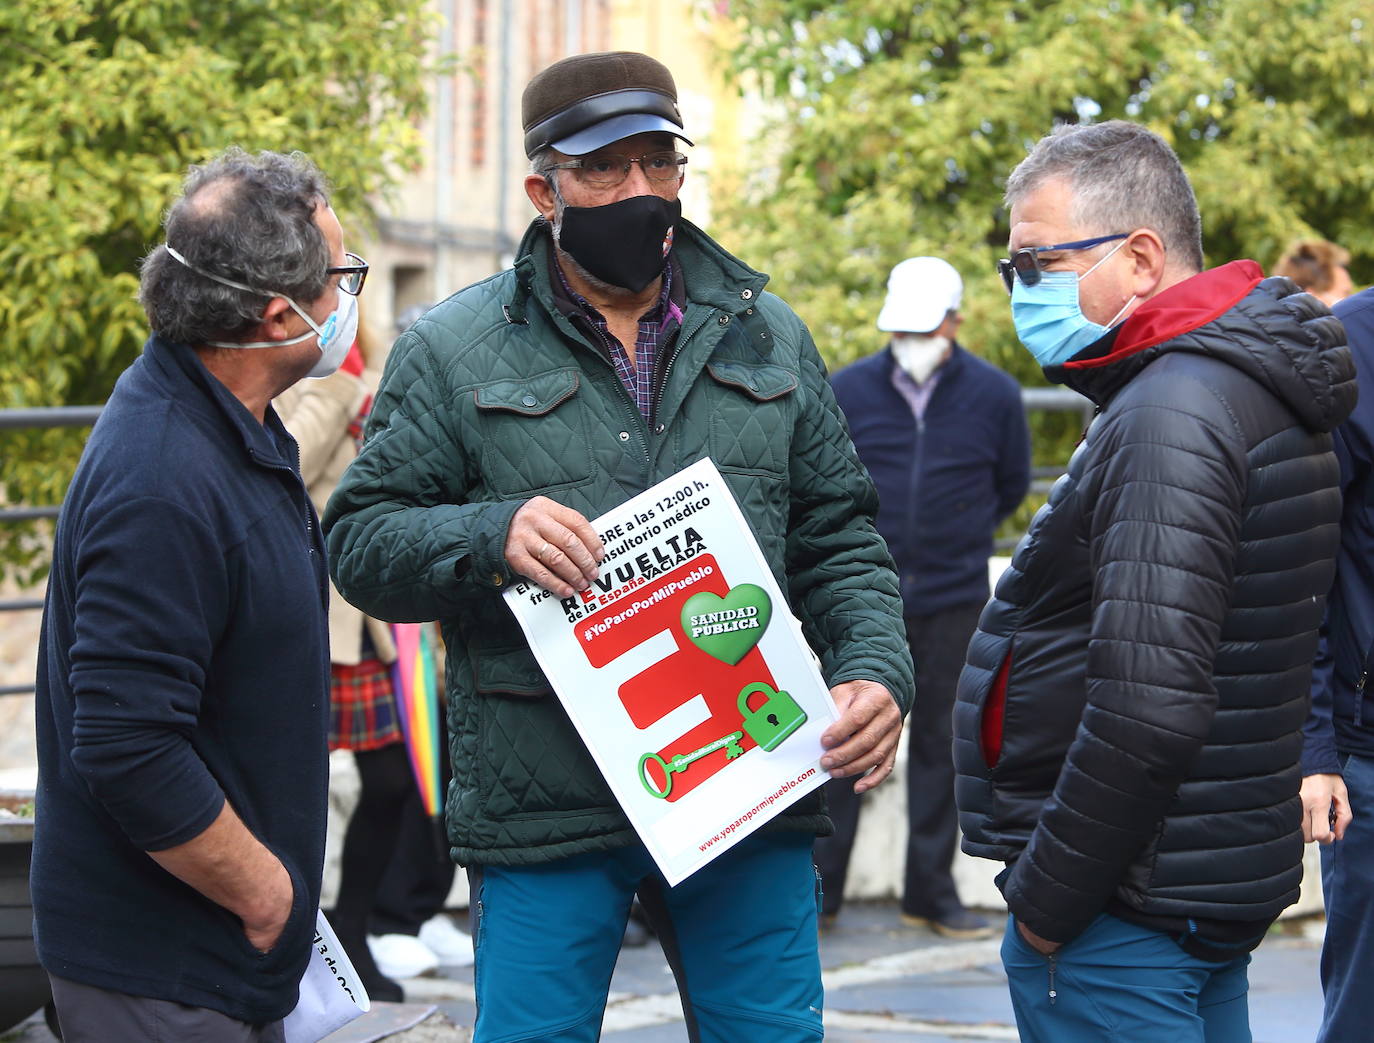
<point x="713" y="276"/>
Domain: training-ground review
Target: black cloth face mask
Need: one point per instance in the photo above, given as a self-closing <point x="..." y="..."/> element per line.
<point x="623" y="244"/>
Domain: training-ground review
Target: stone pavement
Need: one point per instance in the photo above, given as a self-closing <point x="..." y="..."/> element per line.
<point x="885" y="983"/>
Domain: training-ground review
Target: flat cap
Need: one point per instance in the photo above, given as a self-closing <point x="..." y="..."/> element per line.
<point x="586" y="101"/>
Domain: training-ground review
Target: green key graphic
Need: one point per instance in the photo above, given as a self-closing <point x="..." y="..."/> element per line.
<point x="682" y="761"/>
<point x="768" y="724"/>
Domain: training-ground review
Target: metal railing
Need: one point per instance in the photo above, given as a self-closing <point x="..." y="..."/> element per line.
<point x="33" y="419"/>
<point x="1053" y="400"/>
<point x="1034" y="399"/>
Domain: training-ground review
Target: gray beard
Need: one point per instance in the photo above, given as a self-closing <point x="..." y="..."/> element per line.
<point x="568" y="261"/>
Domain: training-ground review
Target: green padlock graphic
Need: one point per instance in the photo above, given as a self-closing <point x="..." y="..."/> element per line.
<point x="777" y="717"/>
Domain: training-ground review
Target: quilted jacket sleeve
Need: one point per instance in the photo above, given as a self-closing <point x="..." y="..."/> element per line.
<point x="1165" y="495"/>
<point x="840" y="574"/>
<point x="404" y="543"/>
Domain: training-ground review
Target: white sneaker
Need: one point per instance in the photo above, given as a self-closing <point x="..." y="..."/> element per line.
<point x="401" y="955"/>
<point x="452" y="946"/>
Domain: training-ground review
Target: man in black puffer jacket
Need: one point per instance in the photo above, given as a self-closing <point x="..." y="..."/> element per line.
<point x="1129" y="721"/>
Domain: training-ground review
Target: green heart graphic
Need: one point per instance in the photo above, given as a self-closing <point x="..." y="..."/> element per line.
<point x="727" y="627"/>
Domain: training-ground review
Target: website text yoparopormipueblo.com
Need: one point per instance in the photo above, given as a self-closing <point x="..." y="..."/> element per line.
<point x="767" y="801"/>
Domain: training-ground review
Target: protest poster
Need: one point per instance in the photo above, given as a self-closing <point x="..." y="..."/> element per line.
<point x="684" y="672"/>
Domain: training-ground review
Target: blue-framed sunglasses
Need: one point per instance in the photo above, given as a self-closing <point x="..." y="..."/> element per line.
<point x="1025" y="264"/>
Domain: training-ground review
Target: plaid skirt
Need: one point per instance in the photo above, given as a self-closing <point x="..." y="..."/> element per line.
<point x="363" y="712"/>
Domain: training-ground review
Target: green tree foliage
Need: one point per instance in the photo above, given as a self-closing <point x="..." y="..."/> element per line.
<point x="895" y="124"/>
<point x="105" y="105"/>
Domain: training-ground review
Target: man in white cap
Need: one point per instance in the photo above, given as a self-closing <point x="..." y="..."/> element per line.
<point x="943" y="434"/>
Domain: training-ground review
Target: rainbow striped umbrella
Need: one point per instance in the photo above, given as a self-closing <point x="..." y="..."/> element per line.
<point x="417" y="701"/>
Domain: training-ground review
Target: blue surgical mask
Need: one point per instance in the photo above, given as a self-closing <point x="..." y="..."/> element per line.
<point x="1049" y="319"/>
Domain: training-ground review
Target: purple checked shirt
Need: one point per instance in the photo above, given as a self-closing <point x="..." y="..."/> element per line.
<point x="655" y="327"/>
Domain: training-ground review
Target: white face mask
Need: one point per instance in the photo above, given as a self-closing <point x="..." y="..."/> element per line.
<point x="336" y="336"/>
<point x="919" y="354"/>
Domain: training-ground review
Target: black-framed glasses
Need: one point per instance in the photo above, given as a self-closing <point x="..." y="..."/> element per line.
<point x="606" y="169"/>
<point x="354" y="274"/>
<point x="1025" y="264"/>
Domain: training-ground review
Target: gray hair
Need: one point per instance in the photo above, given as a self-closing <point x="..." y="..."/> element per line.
<point x="249" y="218"/>
<point x="541" y="161"/>
<point x="541" y="165"/>
<point x="1121" y="177"/>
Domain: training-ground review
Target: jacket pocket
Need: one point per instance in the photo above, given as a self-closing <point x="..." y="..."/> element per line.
<point x="751" y="431"/>
<point x="534" y="435"/>
<point x="992" y="720"/>
<point x="532" y="762"/>
<point x="511" y="672"/>
<point x="980" y="706"/>
<point x="298" y="930"/>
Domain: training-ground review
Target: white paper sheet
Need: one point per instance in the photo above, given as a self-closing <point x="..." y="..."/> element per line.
<point x="332" y="995"/>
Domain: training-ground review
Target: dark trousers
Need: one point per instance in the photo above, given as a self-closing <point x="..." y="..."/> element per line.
<point x="420" y="875"/>
<point x="938" y="645"/>
<point x="1347" y="886"/>
<point x="88" y="1014"/>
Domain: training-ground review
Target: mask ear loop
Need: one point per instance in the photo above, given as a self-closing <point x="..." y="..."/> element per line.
<point x="1122" y="312"/>
<point x="1102" y="260"/>
<point x="315" y="330"/>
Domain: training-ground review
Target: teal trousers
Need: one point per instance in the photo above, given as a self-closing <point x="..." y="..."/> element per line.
<point x="739" y="935"/>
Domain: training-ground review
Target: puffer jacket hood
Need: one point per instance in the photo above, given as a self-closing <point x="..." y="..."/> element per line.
<point x="1284" y="339"/>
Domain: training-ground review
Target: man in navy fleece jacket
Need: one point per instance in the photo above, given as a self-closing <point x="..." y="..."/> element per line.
<point x="183" y="668"/>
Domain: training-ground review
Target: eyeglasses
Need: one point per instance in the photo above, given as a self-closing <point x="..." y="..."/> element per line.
<point x="606" y="170"/>
<point x="1025" y="264"/>
<point x="354" y="274"/>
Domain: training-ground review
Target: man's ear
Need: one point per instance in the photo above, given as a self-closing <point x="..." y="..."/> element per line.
<point x="276" y="316"/>
<point x="1149" y="258"/>
<point x="541" y="195"/>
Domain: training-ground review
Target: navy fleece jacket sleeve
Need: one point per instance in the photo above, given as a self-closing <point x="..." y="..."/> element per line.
<point x="147" y="615"/>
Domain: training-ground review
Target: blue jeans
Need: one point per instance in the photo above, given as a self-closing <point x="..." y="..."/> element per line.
<point x="1127" y="984"/>
<point x="1348" y="888"/>
<point x="740" y="935"/>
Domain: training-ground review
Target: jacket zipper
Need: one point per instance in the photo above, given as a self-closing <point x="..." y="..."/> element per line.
<point x="914" y="501"/>
<point x="644" y="422"/>
<point x="631" y="408"/>
<point x="683" y="335"/>
<point x="1053" y="960"/>
<point x="304" y="503"/>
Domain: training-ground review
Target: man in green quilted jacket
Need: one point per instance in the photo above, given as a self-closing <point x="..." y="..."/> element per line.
<point x="622" y="346"/>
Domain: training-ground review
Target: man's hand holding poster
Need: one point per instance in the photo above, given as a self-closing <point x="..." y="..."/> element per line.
<point x="684" y="672"/>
